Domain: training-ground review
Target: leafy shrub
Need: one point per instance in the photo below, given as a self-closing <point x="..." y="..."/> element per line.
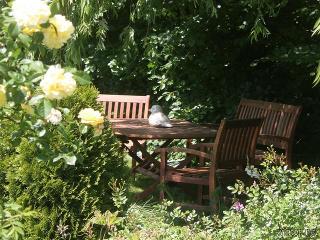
<point x="12" y="217"/>
<point x="284" y="204"/>
<point x="66" y="196"/>
<point x="281" y="204"/>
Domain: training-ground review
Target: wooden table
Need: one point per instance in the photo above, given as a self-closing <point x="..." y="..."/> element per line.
<point x="133" y="130"/>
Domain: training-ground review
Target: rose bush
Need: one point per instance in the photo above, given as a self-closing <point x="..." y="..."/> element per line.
<point x="50" y="160"/>
<point x="30" y="91"/>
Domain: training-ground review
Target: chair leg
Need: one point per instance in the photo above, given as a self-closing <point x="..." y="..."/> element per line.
<point x="163" y="163"/>
<point x="289" y="157"/>
<point x="133" y="172"/>
<point x="134" y="164"/>
<point x="200" y="187"/>
<point x="212" y="188"/>
<point x="161" y="196"/>
<point x="199" y="194"/>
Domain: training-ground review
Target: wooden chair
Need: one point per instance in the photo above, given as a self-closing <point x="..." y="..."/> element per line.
<point x="125" y="107"/>
<point x="234" y="145"/>
<point x="278" y="127"/>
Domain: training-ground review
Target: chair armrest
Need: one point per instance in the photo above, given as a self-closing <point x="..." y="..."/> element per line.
<point x="201" y="145"/>
<point x="184" y="150"/>
<point x="268" y="136"/>
<point x="277" y="141"/>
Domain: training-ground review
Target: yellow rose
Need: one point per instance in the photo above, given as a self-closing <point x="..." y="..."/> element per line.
<point x="3" y="96"/>
<point x="93" y="118"/>
<point x="58" y="33"/>
<point x="27" y="108"/>
<point x="29" y="14"/>
<point x="29" y="31"/>
<point x="57" y="84"/>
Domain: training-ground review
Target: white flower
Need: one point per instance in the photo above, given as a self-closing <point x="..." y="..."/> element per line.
<point x="57" y="84"/>
<point x="29" y="14"/>
<point x="58" y="33"/>
<point x="252" y="172"/>
<point x="54" y="116"/>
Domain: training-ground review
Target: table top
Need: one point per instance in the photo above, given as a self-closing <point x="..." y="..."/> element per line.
<point x="140" y="129"/>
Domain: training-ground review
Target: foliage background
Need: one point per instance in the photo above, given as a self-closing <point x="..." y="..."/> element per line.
<point x="198" y="58"/>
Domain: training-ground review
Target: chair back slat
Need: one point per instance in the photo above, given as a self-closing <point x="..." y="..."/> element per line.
<point x="280" y="119"/>
<point x="121" y="113"/>
<point x="115" y="111"/>
<point x="128" y="107"/>
<point x="235" y="143"/>
<point x="125" y="106"/>
<point x="134" y="110"/>
<point x="140" y="110"/>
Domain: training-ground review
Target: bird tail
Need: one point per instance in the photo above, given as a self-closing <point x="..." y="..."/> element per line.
<point x="167" y="125"/>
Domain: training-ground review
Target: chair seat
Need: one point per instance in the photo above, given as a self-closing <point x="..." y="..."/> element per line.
<point x="200" y="175"/>
<point x="196" y="170"/>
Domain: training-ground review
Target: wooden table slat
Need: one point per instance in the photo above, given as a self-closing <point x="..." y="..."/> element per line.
<point x="140" y="129"/>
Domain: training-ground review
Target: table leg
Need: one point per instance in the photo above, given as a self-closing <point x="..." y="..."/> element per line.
<point x="148" y="158"/>
<point x="144" y="164"/>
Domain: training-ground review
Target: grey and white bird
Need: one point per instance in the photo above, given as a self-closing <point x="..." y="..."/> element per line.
<point x="157" y="118"/>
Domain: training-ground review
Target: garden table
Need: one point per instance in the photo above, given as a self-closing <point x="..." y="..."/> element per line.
<point x="133" y="130"/>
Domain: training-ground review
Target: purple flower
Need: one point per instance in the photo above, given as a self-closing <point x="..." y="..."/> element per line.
<point x="238" y="206"/>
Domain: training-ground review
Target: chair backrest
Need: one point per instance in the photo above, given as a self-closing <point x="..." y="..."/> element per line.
<point x="280" y="119"/>
<point x="125" y="106"/>
<point x="235" y="143"/>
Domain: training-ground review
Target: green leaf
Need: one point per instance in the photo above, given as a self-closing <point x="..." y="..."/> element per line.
<point x="13" y="29"/>
<point x="71" y="160"/>
<point x="36" y="100"/>
<point x="82" y="78"/>
<point x="317" y="78"/>
<point x="42" y="133"/>
<point x="37" y="37"/>
<point x="4" y="70"/>
<point x="47" y="107"/>
<point x="37" y="66"/>
<point x="25" y="39"/>
<point x="45" y="25"/>
<point x="83" y="129"/>
<point x="18" y="96"/>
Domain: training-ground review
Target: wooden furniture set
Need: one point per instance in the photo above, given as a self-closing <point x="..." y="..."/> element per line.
<point x="261" y="122"/>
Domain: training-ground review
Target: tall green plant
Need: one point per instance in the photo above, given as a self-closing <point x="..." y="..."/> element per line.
<point x="66" y="196"/>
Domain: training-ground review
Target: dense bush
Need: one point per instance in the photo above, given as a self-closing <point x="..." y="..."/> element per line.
<point x="281" y="204"/>
<point x="65" y="195"/>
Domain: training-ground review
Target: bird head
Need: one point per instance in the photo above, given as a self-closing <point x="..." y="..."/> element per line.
<point x="155" y="109"/>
